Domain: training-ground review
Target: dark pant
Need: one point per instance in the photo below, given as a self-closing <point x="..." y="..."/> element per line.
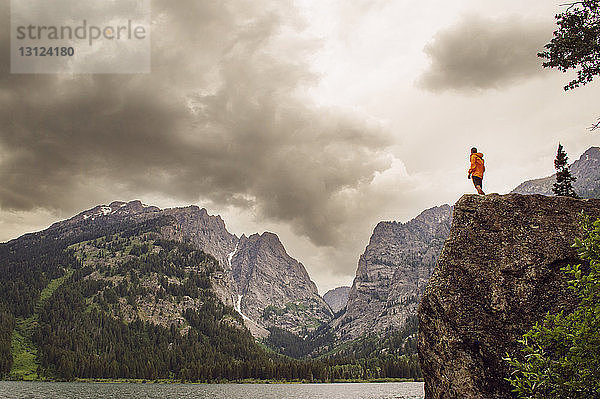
<point x="477" y="181"/>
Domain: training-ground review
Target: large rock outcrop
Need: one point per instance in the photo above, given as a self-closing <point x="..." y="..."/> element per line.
<point x="498" y="274"/>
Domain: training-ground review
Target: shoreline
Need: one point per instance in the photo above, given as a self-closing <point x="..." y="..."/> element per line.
<point x="237" y="382"/>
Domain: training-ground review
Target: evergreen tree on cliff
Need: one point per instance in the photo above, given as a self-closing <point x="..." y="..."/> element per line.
<point x="564" y="178"/>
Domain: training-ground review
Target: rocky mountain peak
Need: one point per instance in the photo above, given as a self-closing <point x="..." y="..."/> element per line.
<point x="498" y="274"/>
<point x="392" y="274"/>
<point x="274" y="288"/>
<point x="107" y="214"/>
<point x="432" y="217"/>
<point x="256" y="271"/>
<point x="117" y="204"/>
<point x="270" y="238"/>
<point x="591" y="154"/>
<point x="337" y="298"/>
<point x="271" y="242"/>
<point x="208" y="232"/>
<point x="587" y="164"/>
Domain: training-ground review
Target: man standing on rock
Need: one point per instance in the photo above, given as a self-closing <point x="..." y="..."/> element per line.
<point x="476" y="170"/>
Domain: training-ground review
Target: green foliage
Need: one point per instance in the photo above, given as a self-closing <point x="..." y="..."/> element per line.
<point x="395" y="343"/>
<point x="139" y="249"/>
<point x="50" y="289"/>
<point x="290" y="344"/>
<point x="28" y="264"/>
<point x="24" y="350"/>
<point x="564" y="180"/>
<point x="576" y="43"/>
<point x="26" y="270"/>
<point x="561" y="355"/>
<point x="82" y="333"/>
<point x="7" y="324"/>
<point x="24" y="357"/>
<point x="271" y="310"/>
<point x="290" y="307"/>
<point x="393" y="355"/>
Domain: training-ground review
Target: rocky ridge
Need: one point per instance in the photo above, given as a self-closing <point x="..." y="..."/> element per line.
<point x="498" y="274"/>
<point x="392" y="274"/>
<point x="256" y="271"/>
<point x="274" y="289"/>
<point x="586" y="169"/>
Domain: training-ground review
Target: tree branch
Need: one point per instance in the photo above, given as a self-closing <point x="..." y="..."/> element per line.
<point x="571" y="5"/>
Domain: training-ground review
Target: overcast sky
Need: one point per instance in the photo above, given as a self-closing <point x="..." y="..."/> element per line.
<point x="313" y="119"/>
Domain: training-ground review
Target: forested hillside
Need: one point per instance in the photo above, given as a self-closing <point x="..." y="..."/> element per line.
<point x="118" y="300"/>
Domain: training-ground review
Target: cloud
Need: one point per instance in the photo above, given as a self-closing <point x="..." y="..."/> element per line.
<point x="479" y="54"/>
<point x="221" y="118"/>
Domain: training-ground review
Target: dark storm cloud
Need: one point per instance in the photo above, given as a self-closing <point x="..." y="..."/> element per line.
<point x="221" y="118"/>
<point x="478" y="54"/>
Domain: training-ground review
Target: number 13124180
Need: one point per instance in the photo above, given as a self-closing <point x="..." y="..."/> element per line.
<point x="46" y="51"/>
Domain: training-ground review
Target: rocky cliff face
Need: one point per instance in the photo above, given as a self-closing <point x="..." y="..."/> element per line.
<point x="498" y="274"/>
<point x="392" y="274"/>
<point x="586" y="169"/>
<point x="207" y="232"/>
<point x="337" y="298"/>
<point x="274" y="289"/>
<point x="258" y="278"/>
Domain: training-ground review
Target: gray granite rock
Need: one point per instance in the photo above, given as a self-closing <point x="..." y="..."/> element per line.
<point x="275" y="289"/>
<point x="392" y="274"/>
<point x="337" y="298"/>
<point x="498" y="274"/>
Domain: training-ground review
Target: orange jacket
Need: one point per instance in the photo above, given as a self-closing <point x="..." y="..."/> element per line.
<point x="477" y="168"/>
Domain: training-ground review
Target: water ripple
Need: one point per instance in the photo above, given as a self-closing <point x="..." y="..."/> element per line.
<point x="74" y="390"/>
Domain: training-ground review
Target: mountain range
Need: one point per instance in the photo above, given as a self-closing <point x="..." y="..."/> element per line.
<point x="135" y="263"/>
<point x="258" y="278"/>
<point x="127" y="290"/>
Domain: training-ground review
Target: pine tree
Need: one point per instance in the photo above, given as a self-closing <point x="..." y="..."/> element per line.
<point x="564" y="179"/>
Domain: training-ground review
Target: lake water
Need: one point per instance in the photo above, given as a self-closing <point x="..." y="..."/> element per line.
<point x="75" y="390"/>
